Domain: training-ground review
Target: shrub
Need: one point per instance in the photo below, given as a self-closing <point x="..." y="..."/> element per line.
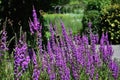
<point x="92" y="13"/>
<point x="110" y="21"/>
<point x="94" y="17"/>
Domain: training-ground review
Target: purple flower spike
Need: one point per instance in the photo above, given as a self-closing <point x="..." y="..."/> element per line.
<point x="31" y="25"/>
<point x="36" y="74"/>
<point x="35" y="24"/>
<point x="35" y="20"/>
<point x="3" y="46"/>
<point x="39" y="41"/>
<point x="21" y="58"/>
<point x="36" y="71"/>
<point x="89" y="24"/>
<point x="114" y="68"/>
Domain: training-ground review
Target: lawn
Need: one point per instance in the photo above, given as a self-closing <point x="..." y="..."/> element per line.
<point x="71" y="21"/>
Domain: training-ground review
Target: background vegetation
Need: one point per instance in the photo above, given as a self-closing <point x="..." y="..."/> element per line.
<point x="19" y="12"/>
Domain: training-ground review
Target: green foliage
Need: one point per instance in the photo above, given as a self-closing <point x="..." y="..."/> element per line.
<point x="93" y="5"/>
<point x="105" y="3"/>
<point x="116" y="1"/>
<point x="6" y="66"/>
<point x="94" y="17"/>
<point x="94" y="10"/>
<point x="59" y="2"/>
<point x="92" y="13"/>
<point x="75" y="1"/>
<point x="110" y="21"/>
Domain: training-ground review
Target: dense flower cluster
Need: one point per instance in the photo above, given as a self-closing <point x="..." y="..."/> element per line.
<point x="3" y="42"/>
<point x="21" y="58"/>
<point x="69" y="55"/>
<point x="36" y="70"/>
<point x="66" y="57"/>
<point x="34" y="25"/>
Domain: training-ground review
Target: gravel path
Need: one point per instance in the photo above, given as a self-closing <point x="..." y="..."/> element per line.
<point x="116" y="53"/>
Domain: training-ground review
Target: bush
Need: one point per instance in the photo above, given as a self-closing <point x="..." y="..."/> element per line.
<point x="92" y="13"/>
<point x="110" y="21"/>
<point x="94" y="17"/>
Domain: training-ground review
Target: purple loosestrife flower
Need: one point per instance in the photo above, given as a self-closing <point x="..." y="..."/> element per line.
<point x="102" y="48"/>
<point x="75" y="59"/>
<point x="81" y="56"/>
<point x="61" y="65"/>
<point x="51" y="55"/>
<point x="75" y="73"/>
<point x="3" y="46"/>
<point x="67" y="48"/>
<point x="93" y="37"/>
<point x="75" y="40"/>
<point x="88" y="63"/>
<point x="114" y="67"/>
<point x="109" y="51"/>
<point x="90" y="29"/>
<point x="61" y="43"/>
<point x="4" y="35"/>
<point x="74" y="53"/>
<point x="39" y="41"/>
<point x="21" y="58"/>
<point x="90" y="68"/>
<point x="74" y="50"/>
<point x="106" y="50"/>
<point x="36" y="71"/>
<point x="64" y="31"/>
<point x="35" y="20"/>
<point x="35" y="25"/>
<point x="93" y="44"/>
<point x="64" y="67"/>
<point x="44" y="61"/>
<point x="82" y="50"/>
<point x="59" y="62"/>
<point x="79" y="40"/>
<point x="51" y="62"/>
<point x="1" y="54"/>
<point x="51" y="72"/>
<point x="97" y="60"/>
<point x="31" y="25"/>
<point x="94" y="40"/>
<point x="65" y="36"/>
<point x="92" y="72"/>
<point x="85" y="41"/>
<point x="89" y="24"/>
<point x="97" y="76"/>
<point x="52" y="39"/>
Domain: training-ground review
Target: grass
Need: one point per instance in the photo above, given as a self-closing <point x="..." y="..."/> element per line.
<point x="71" y="21"/>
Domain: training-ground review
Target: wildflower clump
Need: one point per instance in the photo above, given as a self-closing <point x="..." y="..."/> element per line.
<point x="65" y="57"/>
